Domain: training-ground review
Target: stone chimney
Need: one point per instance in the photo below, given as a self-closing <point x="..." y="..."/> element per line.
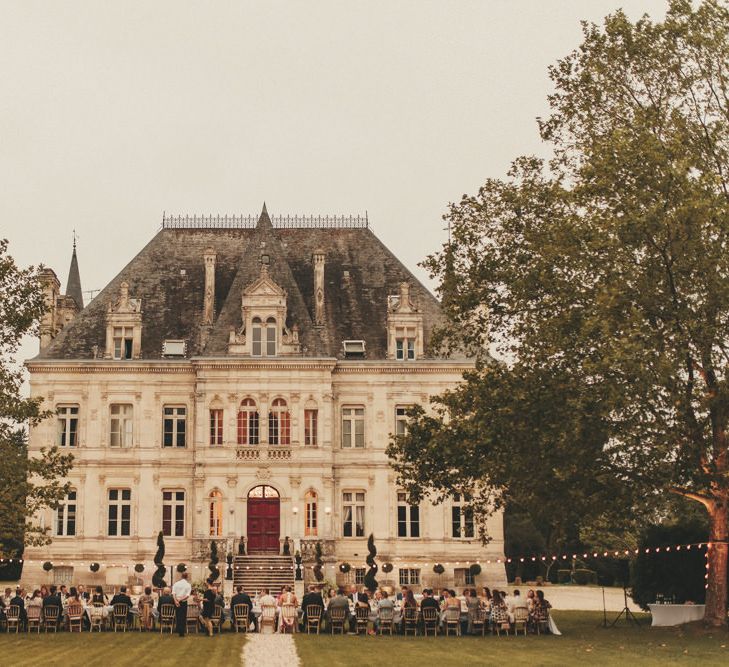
<point x="319" y="261"/>
<point x="51" y="290"/>
<point x="209" y="303"/>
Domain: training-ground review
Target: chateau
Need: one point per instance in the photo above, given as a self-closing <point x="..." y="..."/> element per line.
<point x="239" y="381"/>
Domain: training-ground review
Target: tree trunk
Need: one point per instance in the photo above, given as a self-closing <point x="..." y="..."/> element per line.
<point x="716" y="589"/>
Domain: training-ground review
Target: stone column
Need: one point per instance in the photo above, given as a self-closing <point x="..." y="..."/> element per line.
<point x="319" y="261"/>
<point x="209" y="302"/>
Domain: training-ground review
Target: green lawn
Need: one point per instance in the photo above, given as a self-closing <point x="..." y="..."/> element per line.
<point x="583" y="641"/>
<point x="108" y="648"/>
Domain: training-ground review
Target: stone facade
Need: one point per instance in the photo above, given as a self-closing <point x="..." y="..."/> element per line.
<point x="283" y="434"/>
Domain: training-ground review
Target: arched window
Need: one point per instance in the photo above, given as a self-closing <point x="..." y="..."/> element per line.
<point x="216" y="513"/>
<point x="256" y="337"/>
<point x="279" y="423"/>
<point x="248" y="423"/>
<point x="270" y="337"/>
<point x="310" y="514"/>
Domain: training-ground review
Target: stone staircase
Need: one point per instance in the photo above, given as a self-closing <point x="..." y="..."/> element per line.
<point x="261" y="571"/>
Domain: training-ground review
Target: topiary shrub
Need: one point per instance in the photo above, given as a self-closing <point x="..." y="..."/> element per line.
<point x="370" y="581"/>
<point x="564" y="576"/>
<point x="318" y="574"/>
<point x="94" y="567"/>
<point x="181" y="567"/>
<point x="475" y="569"/>
<point x="48" y="566"/>
<point x="158" y="578"/>
<point x="213" y="564"/>
<point x="344" y="568"/>
<point x="438" y="568"/>
<point x="387" y="568"/>
<point x="583" y="577"/>
<point x="139" y="568"/>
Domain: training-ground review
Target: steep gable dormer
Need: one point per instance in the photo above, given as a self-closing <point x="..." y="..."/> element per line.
<point x="263" y="331"/>
<point x="124" y="326"/>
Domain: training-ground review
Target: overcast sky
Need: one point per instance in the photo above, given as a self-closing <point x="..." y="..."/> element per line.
<point x="112" y="112"/>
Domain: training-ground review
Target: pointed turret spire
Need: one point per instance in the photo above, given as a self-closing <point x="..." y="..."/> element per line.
<point x="264" y="222"/>
<point x="73" y="286"/>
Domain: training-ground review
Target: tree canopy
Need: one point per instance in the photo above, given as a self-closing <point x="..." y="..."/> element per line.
<point x="602" y="278"/>
<point x="29" y="484"/>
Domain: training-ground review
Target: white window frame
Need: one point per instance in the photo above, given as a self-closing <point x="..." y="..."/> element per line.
<point x="409" y="576"/>
<point x="67" y="421"/>
<point x="279" y="423"/>
<point x="405" y="343"/>
<point x="176" y="415"/>
<point x="311" y="513"/>
<point x="353" y="506"/>
<point x="411" y="521"/>
<point x="217" y="427"/>
<point x="121" y="427"/>
<point x="66" y="512"/>
<point x="401" y="419"/>
<point x="311" y="427"/>
<point x="462" y="524"/>
<point x="359" y="575"/>
<point x="353" y="427"/>
<point x="215" y="513"/>
<point x="119" y="503"/>
<point x="249" y="409"/>
<point x="175" y="503"/>
<point x="123" y="342"/>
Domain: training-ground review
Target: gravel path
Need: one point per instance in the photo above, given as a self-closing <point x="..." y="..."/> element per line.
<point x="270" y="651"/>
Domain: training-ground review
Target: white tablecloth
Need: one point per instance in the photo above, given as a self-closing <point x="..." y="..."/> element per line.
<point x="675" y="614"/>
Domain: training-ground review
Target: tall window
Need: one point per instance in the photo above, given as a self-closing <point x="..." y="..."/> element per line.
<point x="408" y="517"/>
<point x="216" y="427"/>
<point x="263" y="337"/>
<point x="405" y="343"/>
<point x="310" y="515"/>
<point x="279" y="423"/>
<point x="353" y="505"/>
<point x="216" y="513"/>
<point x="67" y="425"/>
<point x="256" y="336"/>
<point x="461" y="517"/>
<point x="123" y="337"/>
<point x="120" y="512"/>
<point x="401" y="420"/>
<point x="359" y="575"/>
<point x="270" y="337"/>
<point x="462" y="576"/>
<point x="66" y="515"/>
<point x="311" y="418"/>
<point x="409" y="576"/>
<point x="353" y="427"/>
<point x="121" y="425"/>
<point x="173" y="513"/>
<point x="174" y="434"/>
<point x="248" y="423"/>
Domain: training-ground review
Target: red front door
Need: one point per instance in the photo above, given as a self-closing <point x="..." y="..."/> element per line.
<point x="263" y="525"/>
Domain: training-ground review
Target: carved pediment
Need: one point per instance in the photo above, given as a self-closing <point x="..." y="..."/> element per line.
<point x="264" y="286"/>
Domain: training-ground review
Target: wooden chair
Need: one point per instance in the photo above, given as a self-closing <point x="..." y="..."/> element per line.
<point x="50" y="618"/>
<point x="480" y="621"/>
<point x="240" y="619"/>
<point x="386" y="620"/>
<point x="500" y="620"/>
<point x="96" y="616"/>
<point x="410" y="620"/>
<point x="192" y="621"/>
<point x="337" y="616"/>
<point x="521" y="618"/>
<point x="268" y="619"/>
<point x="167" y="618"/>
<point x="12" y="614"/>
<point x="120" y="614"/>
<point x="362" y="617"/>
<point x="430" y="621"/>
<point x="75" y="617"/>
<point x="453" y="621"/>
<point x="217" y="619"/>
<point x="34" y="618"/>
<point x="288" y="618"/>
<point x="313" y="617"/>
<point x="540" y="616"/>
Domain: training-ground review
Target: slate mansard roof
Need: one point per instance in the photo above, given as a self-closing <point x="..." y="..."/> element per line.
<point x="169" y="276"/>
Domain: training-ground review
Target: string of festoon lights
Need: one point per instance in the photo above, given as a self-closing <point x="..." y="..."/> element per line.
<point x="526" y="558"/>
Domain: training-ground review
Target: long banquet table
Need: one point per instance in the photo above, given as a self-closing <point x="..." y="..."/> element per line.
<point x="675" y="614"/>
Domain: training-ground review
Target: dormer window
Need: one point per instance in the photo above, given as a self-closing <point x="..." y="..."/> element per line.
<point x="270" y="337"/>
<point x="405" y="343"/>
<point x="263" y="337"/>
<point x="404" y="326"/>
<point x="124" y="326"/>
<point x="123" y="340"/>
<point x="256" y="335"/>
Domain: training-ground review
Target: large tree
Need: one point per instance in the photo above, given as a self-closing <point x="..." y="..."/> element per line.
<point x="602" y="277"/>
<point x="29" y="484"/>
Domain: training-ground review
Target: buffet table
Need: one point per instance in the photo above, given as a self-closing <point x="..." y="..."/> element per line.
<point x="675" y="614"/>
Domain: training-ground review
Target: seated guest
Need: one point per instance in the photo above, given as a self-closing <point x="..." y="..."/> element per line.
<point x="83" y="594"/>
<point x="73" y="596"/>
<point x="241" y="597"/>
<point x="44" y="591"/>
<point x="338" y="602"/>
<point x="99" y="597"/>
<point x="311" y="599"/>
<point x="472" y="604"/>
<point x="408" y="603"/>
<point x="122" y="598"/>
<point x="63" y="594"/>
<point x="530" y="599"/>
<point x="7" y="596"/>
<point x="516" y="601"/>
<point x="35" y="600"/>
<point x="403" y="592"/>
<point x="19" y="601"/>
<point x="219" y="600"/>
<point x="53" y="599"/>
<point x="499" y="612"/>
<point x="145" y="605"/>
<point x="165" y="598"/>
<point x="385" y="603"/>
<point x="428" y="600"/>
<point x="363" y="602"/>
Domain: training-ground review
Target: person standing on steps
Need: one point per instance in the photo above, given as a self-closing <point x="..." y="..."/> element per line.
<point x="180" y="592"/>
